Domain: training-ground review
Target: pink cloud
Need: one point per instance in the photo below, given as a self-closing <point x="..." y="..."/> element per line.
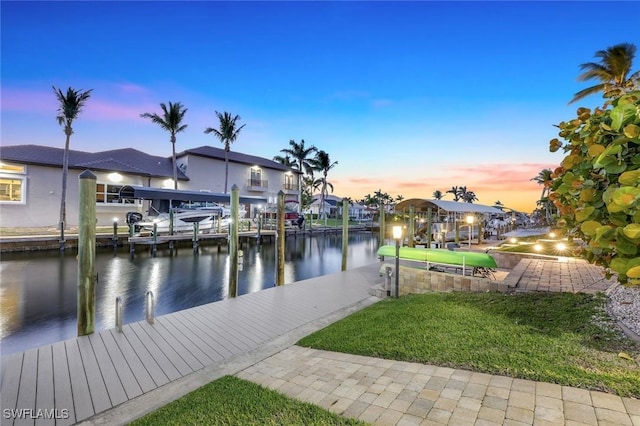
<point x="96" y="108"/>
<point x="99" y="109"/>
<point x="28" y="100"/>
<point x="132" y="88"/>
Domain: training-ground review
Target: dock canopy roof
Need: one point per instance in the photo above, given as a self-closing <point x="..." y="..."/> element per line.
<point x="421" y="205"/>
<point x="145" y="193"/>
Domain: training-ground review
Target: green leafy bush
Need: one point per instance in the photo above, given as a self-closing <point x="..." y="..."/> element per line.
<point x="596" y="188"/>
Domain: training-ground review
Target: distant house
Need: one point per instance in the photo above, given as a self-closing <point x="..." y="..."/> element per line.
<point x="31" y="180"/>
<point x="333" y="208"/>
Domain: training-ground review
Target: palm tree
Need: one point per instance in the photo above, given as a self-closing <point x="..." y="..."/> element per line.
<point x="437" y="194"/>
<point x="322" y="163"/>
<point x="171" y="121"/>
<point x="469" y="197"/>
<point x="285" y="161"/>
<point x="461" y="192"/>
<point x="456" y="193"/>
<point x="544" y="178"/>
<point x="69" y="108"/>
<point x="301" y="157"/>
<point x="227" y="133"/>
<point x="612" y="71"/>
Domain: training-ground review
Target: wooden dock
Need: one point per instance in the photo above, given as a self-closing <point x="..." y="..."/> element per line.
<point x="121" y="375"/>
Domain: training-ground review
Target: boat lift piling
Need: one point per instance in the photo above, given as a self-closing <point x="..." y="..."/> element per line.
<point x="345" y="232"/>
<point x="195" y="236"/>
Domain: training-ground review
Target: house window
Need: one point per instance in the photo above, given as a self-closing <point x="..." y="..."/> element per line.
<point x="289" y="183"/>
<point x="12" y="184"/>
<point x="256" y="177"/>
<point x="107" y="193"/>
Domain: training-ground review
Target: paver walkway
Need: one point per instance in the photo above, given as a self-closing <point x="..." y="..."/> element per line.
<point x="388" y="392"/>
<point x="568" y="275"/>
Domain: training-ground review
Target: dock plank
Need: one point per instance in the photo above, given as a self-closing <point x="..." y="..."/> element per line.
<point x="110" y="378"/>
<point x="127" y="378"/>
<point x="93" y="376"/>
<point x="11" y="371"/>
<point x="135" y="362"/>
<point x="147" y="357"/>
<point x="172" y="347"/>
<point x="44" y="385"/>
<point x="286" y="313"/>
<point x="28" y="386"/>
<point x="193" y="346"/>
<point x="63" y="395"/>
<point x="170" y="362"/>
<point x="215" y="317"/>
<point x="228" y="343"/>
<point x="217" y="348"/>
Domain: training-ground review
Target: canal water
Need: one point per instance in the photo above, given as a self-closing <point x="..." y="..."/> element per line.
<point x="38" y="289"/>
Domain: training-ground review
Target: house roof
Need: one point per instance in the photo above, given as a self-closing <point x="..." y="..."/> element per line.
<point x="236" y="157"/>
<point x="126" y="160"/>
<point x="420" y="204"/>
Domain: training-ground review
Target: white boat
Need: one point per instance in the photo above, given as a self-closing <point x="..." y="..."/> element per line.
<point x="206" y="215"/>
<point x="182" y="221"/>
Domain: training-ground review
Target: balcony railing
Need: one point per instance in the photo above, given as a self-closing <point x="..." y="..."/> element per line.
<point x="290" y="186"/>
<point x="257" y="185"/>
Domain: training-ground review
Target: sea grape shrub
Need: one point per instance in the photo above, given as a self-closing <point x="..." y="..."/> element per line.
<point x="596" y="188"/>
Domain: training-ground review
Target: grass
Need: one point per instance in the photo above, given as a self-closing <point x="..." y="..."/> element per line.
<point x="558" y="338"/>
<point x="232" y="401"/>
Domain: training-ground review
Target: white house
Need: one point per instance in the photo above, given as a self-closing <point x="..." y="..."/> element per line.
<point x="333" y="207"/>
<point x="31" y="180"/>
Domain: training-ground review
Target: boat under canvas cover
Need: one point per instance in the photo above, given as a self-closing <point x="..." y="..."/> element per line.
<point x="128" y="192"/>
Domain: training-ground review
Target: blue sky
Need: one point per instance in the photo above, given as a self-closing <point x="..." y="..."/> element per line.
<point x="408" y="97"/>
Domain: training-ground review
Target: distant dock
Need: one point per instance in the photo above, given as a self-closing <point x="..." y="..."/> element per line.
<point x="122" y="239"/>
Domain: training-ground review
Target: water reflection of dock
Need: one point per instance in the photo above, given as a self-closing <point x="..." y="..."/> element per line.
<point x="112" y="377"/>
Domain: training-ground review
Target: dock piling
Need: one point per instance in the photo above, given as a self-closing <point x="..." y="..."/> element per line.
<point x="119" y="314"/>
<point x="150" y="307"/>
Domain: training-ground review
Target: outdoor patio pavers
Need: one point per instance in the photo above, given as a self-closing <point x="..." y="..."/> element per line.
<point x="458" y="397"/>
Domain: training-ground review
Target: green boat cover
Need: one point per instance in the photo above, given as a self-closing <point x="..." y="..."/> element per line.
<point x="470" y="259"/>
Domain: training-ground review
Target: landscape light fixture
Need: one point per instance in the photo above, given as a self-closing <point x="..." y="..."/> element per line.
<point x="470" y="223"/>
<point x="397" y="235"/>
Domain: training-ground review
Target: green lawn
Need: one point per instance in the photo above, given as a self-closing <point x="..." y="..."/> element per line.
<point x="558" y="338"/>
<point x="232" y="401"/>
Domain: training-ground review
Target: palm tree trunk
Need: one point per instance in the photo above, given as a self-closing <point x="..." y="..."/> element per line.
<point x="175" y="169"/>
<point x="226" y="169"/>
<point x="300" y="193"/>
<point x="65" y="172"/>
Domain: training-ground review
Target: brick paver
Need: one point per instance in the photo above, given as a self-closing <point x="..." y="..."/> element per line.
<point x="454" y="397"/>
